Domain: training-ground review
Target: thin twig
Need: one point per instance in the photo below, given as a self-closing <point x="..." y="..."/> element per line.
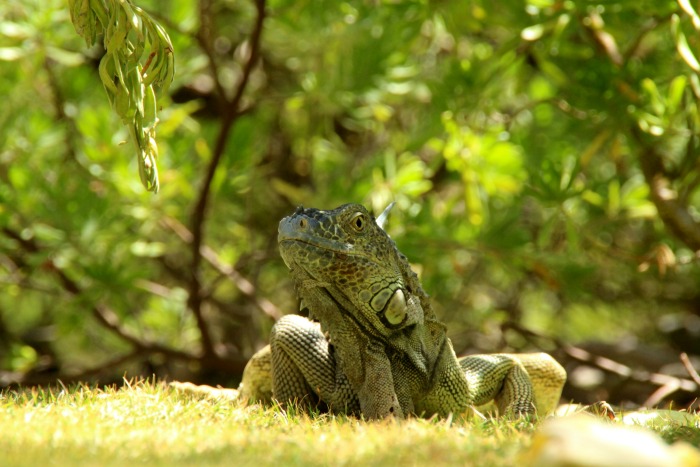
<point x="660" y="394"/>
<point x="643" y="32"/>
<point x="71" y="130"/>
<point x="246" y="287"/>
<point x="625" y="371"/>
<point x="102" y="313"/>
<point x="603" y="40"/>
<point x="689" y="368"/>
<point x="668" y="383"/>
<point x="110" y="320"/>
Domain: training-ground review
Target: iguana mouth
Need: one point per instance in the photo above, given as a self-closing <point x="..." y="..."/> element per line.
<point x="324" y="245"/>
<point x="299" y="228"/>
<point x="321" y="243"/>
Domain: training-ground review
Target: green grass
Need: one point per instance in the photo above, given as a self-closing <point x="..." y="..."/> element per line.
<point x="150" y="423"/>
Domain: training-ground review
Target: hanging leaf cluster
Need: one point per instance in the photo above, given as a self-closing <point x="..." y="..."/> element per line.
<point x="139" y="58"/>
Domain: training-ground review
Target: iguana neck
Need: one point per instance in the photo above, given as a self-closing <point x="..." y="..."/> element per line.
<point x="422" y="343"/>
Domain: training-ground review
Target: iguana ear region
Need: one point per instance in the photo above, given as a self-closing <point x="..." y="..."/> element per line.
<point x="396" y="308"/>
<point x="391" y="308"/>
<point x="395" y="311"/>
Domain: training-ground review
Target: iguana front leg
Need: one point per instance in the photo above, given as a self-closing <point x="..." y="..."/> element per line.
<point x="375" y="388"/>
<point x="304" y="367"/>
<point x="519" y="384"/>
<point x="502" y="379"/>
<point x="359" y="357"/>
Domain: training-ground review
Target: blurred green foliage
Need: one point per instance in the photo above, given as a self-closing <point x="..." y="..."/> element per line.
<point x="543" y="156"/>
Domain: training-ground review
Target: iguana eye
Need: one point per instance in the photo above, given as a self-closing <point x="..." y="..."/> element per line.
<point x="358" y="222"/>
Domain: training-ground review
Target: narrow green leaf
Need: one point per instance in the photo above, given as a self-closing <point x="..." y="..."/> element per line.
<point x="682" y="45"/>
<point x="688" y="8"/>
<point x="65" y="57"/>
<point x="675" y="93"/>
<point x="532" y="33"/>
<point x="10" y="54"/>
<point x="614" y="200"/>
<point x="656" y="101"/>
<point x="19" y="31"/>
<point x="695" y="85"/>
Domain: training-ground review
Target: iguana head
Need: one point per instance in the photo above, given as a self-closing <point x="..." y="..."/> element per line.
<point x="344" y="252"/>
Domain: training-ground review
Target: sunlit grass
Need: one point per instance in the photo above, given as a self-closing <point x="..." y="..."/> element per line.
<point x="150" y="423"/>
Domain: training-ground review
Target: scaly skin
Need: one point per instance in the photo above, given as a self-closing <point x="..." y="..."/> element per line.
<point x="384" y="353"/>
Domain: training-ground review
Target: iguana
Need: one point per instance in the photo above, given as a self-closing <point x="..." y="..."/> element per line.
<point x="373" y="345"/>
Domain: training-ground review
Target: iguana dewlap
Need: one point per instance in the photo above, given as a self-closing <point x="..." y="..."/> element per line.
<point x="375" y="347"/>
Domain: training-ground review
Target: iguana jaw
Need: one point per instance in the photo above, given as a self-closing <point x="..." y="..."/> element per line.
<point x="299" y="229"/>
<point x="296" y="229"/>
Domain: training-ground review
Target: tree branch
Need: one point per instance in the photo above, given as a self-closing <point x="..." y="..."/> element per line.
<point x="204" y="38"/>
<point x="246" y="287"/>
<point x="229" y="117"/>
<point x="674" y="214"/>
<point x="255" y="37"/>
<point x="58" y="102"/>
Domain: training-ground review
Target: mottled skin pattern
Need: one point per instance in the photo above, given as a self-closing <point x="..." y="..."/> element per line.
<point x="379" y="349"/>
